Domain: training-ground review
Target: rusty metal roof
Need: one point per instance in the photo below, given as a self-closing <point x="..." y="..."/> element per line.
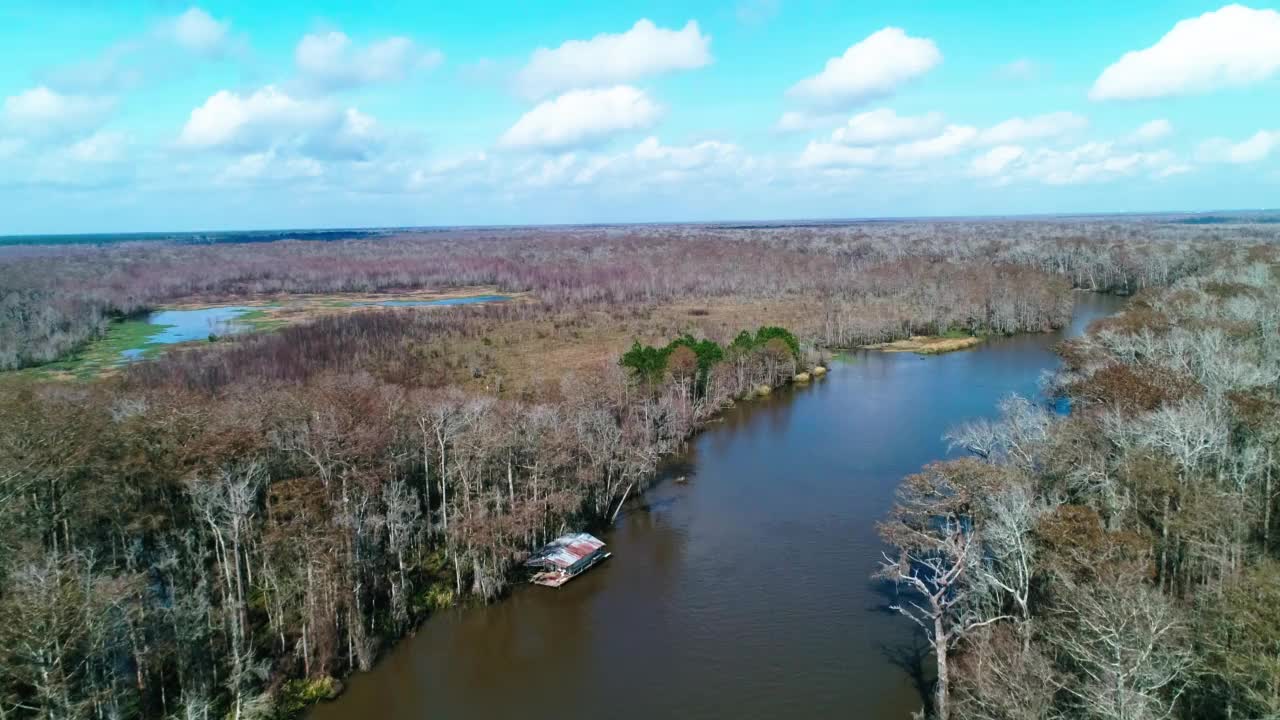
<point x="565" y="550"/>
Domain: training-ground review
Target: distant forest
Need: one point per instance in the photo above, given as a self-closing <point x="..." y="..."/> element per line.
<point x="231" y="529"/>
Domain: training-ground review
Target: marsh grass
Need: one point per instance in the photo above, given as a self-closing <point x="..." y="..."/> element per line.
<point x="106" y="353"/>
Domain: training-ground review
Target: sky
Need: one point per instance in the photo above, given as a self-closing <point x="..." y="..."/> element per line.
<point x="153" y="116"/>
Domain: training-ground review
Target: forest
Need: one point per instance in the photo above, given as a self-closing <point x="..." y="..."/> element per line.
<point x="1121" y="561"/>
<point x="231" y="529"/>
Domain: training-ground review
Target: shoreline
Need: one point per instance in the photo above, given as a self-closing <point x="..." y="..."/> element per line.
<point x="926" y="344"/>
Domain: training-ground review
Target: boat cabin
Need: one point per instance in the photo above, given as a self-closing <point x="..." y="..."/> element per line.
<point x="564" y="558"/>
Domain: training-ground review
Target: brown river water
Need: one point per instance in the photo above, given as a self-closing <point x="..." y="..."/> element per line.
<point x="743" y="592"/>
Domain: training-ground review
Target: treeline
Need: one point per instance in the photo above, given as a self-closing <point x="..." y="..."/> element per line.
<point x="1122" y="561"/>
<point x="55" y="298"/>
<point x="204" y="538"/>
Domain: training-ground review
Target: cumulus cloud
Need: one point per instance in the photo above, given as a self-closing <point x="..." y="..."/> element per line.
<point x="884" y="126"/>
<point x="1231" y="47"/>
<point x="610" y="59"/>
<point x="582" y="117"/>
<point x="882" y="141"/>
<point x="687" y="157"/>
<point x="270" y="118"/>
<point x="883" y="138"/>
<point x="1150" y="132"/>
<point x="952" y="140"/>
<point x="330" y="61"/>
<point x="994" y="161"/>
<point x="652" y="163"/>
<point x="1020" y="129"/>
<point x="819" y="154"/>
<point x="44" y="112"/>
<point x="1099" y="162"/>
<point x="1250" y="150"/>
<point x="870" y="69"/>
<point x="1088" y="163"/>
<point x="272" y="165"/>
<point x="197" y="31"/>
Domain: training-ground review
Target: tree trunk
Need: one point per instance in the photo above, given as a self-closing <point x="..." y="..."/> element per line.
<point x="940" y="709"/>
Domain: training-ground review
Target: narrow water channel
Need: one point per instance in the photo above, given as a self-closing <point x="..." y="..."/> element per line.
<point x="742" y="593"/>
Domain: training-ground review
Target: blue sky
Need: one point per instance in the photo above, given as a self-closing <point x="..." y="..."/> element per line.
<point x="153" y="116"/>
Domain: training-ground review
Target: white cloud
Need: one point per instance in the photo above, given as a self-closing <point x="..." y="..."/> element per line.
<point x="269" y="118"/>
<point x="1088" y="163"/>
<point x="870" y="69"/>
<point x="686" y="157"/>
<point x="226" y="117"/>
<point x="951" y="141"/>
<point x="582" y="117"/>
<point x="41" y="111"/>
<point x="270" y="165"/>
<point x="994" y="161"/>
<point x="651" y="163"/>
<point x="1150" y="132"/>
<point x="609" y="59"/>
<point x="1019" y="129"/>
<point x="329" y="60"/>
<point x="884" y="125"/>
<point x="826" y="154"/>
<point x="1256" y="147"/>
<point x="1231" y="47"/>
<point x="548" y="171"/>
<point x="197" y="31"/>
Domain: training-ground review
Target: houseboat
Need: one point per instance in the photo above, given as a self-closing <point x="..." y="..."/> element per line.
<point x="564" y="558"/>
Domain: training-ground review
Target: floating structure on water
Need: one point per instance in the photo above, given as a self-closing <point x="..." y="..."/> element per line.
<point x="564" y="558"/>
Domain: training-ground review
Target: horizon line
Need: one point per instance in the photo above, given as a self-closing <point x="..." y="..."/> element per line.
<point x="781" y="222"/>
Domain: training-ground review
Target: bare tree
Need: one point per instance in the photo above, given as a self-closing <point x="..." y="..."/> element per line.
<point x="938" y="558"/>
<point x="1125" y="642"/>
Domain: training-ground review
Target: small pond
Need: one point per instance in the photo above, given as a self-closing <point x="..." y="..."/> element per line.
<point x="178" y="326"/>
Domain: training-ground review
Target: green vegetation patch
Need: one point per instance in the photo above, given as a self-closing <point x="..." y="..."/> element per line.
<point x="106" y="352"/>
<point x="650" y="364"/>
<point x="297" y="695"/>
<point x="260" y="321"/>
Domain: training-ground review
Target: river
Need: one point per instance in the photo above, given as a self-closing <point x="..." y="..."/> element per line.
<point x="743" y="592"/>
